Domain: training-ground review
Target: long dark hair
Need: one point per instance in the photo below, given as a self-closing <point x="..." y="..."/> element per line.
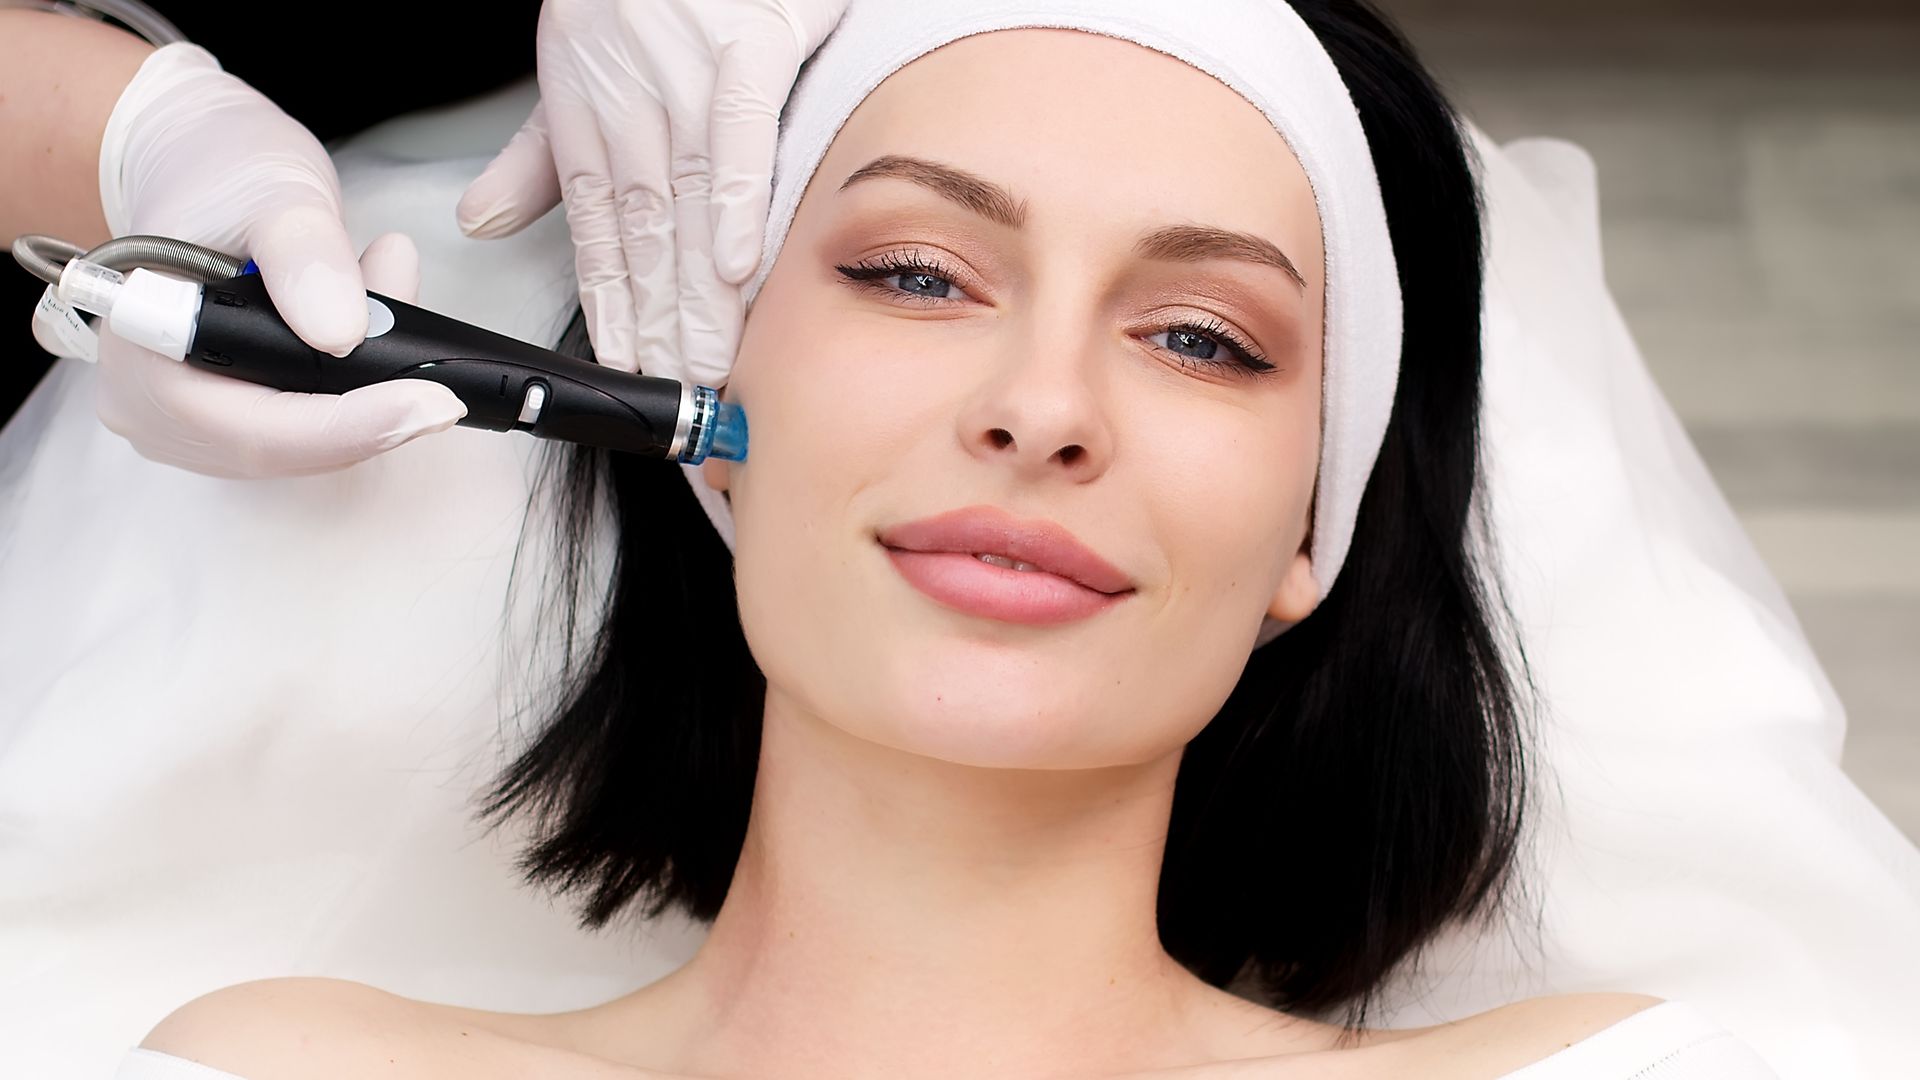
<point x="1362" y="788"/>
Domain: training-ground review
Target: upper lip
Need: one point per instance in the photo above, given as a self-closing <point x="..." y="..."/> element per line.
<point x="988" y="530"/>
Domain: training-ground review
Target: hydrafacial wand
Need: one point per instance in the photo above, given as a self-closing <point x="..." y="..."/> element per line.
<point x="223" y="321"/>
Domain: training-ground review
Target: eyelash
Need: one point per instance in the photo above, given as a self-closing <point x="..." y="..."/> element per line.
<point x="870" y="272"/>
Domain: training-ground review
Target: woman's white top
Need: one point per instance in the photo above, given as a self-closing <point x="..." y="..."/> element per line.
<point x="1674" y="1040"/>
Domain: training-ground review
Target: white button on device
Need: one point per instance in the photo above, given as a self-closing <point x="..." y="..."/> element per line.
<point x="379" y="318"/>
<point x="535" y="401"/>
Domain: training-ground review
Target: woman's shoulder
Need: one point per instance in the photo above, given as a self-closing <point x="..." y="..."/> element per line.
<point x="1477" y="1047"/>
<point x="1586" y="1035"/>
<point x="1559" y="1037"/>
<point x="321" y="1029"/>
<point x="1508" y="1038"/>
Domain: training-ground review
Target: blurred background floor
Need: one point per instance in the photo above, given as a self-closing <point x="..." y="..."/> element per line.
<point x="1760" y="211"/>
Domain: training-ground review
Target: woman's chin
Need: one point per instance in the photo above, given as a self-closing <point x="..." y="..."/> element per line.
<point x="1004" y="711"/>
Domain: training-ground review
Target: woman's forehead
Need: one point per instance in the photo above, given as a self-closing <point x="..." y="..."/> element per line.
<point x="1090" y="133"/>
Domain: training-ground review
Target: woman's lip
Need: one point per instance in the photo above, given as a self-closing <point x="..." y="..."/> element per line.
<point x="964" y="583"/>
<point x="989" y="530"/>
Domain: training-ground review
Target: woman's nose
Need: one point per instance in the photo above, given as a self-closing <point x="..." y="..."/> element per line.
<point x="1040" y="408"/>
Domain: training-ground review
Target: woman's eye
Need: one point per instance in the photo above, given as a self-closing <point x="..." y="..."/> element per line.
<point x="922" y="284"/>
<point x="906" y="275"/>
<point x="1213" y="346"/>
<point x="1191" y="343"/>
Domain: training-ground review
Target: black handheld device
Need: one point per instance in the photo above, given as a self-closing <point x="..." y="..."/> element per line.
<point x="506" y="384"/>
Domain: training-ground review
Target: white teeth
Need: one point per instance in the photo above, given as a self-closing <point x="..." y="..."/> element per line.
<point x="1003" y="561"/>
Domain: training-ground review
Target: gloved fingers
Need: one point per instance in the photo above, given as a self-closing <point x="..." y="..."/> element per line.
<point x="599" y="258"/>
<point x="710" y="314"/>
<point x="516" y="188"/>
<point x="391" y="267"/>
<point x="227" y="427"/>
<point x="642" y="153"/>
<point x="177" y="414"/>
<point x="307" y="262"/>
<point x="754" y="78"/>
<point x="314" y="433"/>
<point x="128" y="404"/>
<point x="813" y="20"/>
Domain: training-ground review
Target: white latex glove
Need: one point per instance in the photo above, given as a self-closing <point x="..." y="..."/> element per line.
<point x="194" y="153"/>
<point x="657" y="124"/>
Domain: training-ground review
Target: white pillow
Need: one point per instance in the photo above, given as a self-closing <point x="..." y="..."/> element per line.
<point x="212" y="769"/>
<point x="1703" y="843"/>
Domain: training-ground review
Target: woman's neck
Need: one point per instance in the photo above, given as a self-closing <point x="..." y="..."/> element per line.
<point x="897" y="915"/>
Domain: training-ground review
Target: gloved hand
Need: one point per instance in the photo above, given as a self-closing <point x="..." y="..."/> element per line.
<point x="194" y="153"/>
<point x="180" y="415"/>
<point x="657" y="124"/>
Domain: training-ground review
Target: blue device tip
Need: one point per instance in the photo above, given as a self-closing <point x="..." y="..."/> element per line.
<point x="729" y="433"/>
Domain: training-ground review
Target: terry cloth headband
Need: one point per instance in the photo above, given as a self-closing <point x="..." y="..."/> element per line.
<point x="1262" y="50"/>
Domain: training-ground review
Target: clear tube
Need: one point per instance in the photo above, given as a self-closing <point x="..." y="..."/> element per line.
<point x="90" y="286"/>
<point x="151" y="310"/>
<point x="135" y="16"/>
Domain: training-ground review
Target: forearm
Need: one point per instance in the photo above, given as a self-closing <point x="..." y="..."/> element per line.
<point x="59" y="79"/>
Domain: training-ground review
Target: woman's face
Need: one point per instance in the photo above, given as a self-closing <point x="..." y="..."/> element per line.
<point x="1066" y="350"/>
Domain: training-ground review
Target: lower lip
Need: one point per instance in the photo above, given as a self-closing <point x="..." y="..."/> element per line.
<point x="964" y="583"/>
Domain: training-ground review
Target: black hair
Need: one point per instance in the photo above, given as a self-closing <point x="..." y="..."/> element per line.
<point x="1362" y="788"/>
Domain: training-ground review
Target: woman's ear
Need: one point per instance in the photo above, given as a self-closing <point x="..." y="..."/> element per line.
<point x="1298" y="593"/>
<point x="717" y="473"/>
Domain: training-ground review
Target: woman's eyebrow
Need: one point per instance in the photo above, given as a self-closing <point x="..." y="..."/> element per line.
<point x="1172" y="243"/>
<point x="980" y="195"/>
<point x="1192" y="243"/>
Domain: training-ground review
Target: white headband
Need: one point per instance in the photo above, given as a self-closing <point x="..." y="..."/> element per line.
<point x="1264" y="52"/>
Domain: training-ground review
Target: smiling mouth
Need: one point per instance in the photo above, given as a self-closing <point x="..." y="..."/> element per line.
<point x="996" y="587"/>
<point x="1009" y="542"/>
<point x="984" y="561"/>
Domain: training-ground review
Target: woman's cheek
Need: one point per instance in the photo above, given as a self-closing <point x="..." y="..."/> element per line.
<point x="823" y="418"/>
<point x="1238" y="522"/>
<point x="883" y="388"/>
